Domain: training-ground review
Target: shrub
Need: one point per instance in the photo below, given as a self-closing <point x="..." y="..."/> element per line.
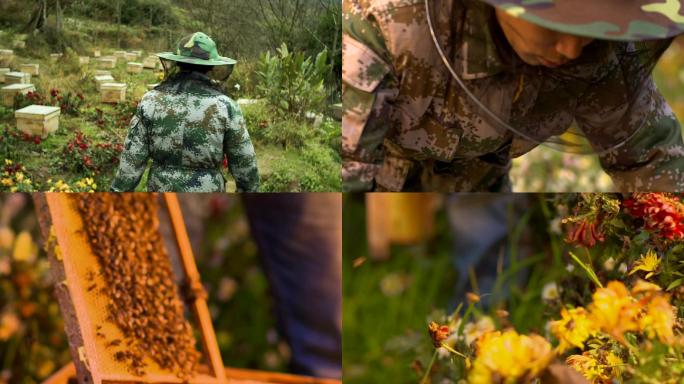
<point x="292" y="83"/>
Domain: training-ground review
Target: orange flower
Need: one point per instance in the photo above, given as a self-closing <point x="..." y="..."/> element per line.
<point x="438" y="333"/>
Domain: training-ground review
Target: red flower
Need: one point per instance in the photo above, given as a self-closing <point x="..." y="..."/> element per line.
<point x="586" y="233"/>
<point x="36" y="140"/>
<point x="225" y="161"/>
<point x="54" y="92"/>
<point x="661" y="212"/>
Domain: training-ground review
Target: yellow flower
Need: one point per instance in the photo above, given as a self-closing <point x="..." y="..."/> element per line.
<point x="645" y="287"/>
<point x="8" y="162"/>
<point x="509" y="356"/>
<point x="648" y="263"/>
<point x="573" y="329"/>
<point x="659" y="320"/>
<point x="19" y="176"/>
<point x="614" y="311"/>
<point x="473" y="331"/>
<point x="614" y="363"/>
<point x="6" y="181"/>
<point x="586" y="365"/>
<point x="24" y="249"/>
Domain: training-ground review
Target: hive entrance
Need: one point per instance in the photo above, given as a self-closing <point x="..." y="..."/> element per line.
<point x="123" y="314"/>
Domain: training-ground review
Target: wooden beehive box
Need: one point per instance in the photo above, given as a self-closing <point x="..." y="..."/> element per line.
<point x="100" y="72"/>
<point x="97" y="53"/>
<point x="6" y="57"/>
<point x="106" y="62"/>
<point x="7" y="93"/>
<point x="130" y="56"/>
<point x="102" y="79"/>
<point x="56" y="56"/>
<point x="138" y="53"/>
<point x="134" y="67"/>
<point x="84" y="307"/>
<point x="38" y="119"/>
<point x="151" y="62"/>
<point x="83" y="60"/>
<point x="120" y="54"/>
<point x="17" y="78"/>
<point x="19" y="44"/>
<point x="2" y="74"/>
<point x="112" y="92"/>
<point x="32" y="69"/>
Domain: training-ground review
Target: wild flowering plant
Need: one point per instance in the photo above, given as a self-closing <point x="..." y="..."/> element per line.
<point x="619" y="317"/>
<point x="14" y="178"/>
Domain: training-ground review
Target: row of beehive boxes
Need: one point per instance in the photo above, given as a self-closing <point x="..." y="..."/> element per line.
<point x="107" y="62"/>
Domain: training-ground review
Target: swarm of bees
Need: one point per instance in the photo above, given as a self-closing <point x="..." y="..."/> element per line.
<point x="142" y="298"/>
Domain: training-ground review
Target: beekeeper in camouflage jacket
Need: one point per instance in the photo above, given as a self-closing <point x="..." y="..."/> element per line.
<point x="186" y="126"/>
<point x="536" y="66"/>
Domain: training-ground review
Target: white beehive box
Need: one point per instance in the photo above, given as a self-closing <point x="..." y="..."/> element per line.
<point x="7" y="93"/>
<point x="83" y="60"/>
<point x="101" y="79"/>
<point x="151" y="86"/>
<point x="112" y="92"/>
<point x="106" y="62"/>
<point x="38" y="119"/>
<point x="134" y="67"/>
<point x="32" y="69"/>
<point x="97" y="53"/>
<point x="120" y="54"/>
<point x="55" y="56"/>
<point x="6" y="56"/>
<point x="151" y="62"/>
<point x="2" y="74"/>
<point x="100" y="72"/>
<point x="17" y="78"/>
<point x="19" y="44"/>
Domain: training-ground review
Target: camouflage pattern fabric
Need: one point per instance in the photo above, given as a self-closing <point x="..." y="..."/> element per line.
<point x="409" y="126"/>
<point x="619" y="20"/>
<point x="185" y="126"/>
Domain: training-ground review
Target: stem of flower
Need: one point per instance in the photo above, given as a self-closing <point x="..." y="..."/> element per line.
<point x="455" y="352"/>
<point x="589" y="270"/>
<point x="424" y="380"/>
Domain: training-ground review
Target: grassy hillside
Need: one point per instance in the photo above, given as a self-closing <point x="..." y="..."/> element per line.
<point x="309" y="162"/>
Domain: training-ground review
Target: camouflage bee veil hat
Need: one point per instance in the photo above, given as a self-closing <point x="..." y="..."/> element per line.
<point x="198" y="49"/>
<point x="625" y="20"/>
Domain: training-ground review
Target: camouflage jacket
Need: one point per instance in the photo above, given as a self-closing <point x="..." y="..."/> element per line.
<point x="409" y="126"/>
<point x="186" y="126"/>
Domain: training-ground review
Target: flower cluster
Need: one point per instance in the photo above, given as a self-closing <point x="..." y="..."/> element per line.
<point x="82" y="156"/>
<point x="660" y="212"/>
<point x="69" y="103"/>
<point x="616" y="311"/>
<point x="86" y="184"/>
<point x="13" y="178"/>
